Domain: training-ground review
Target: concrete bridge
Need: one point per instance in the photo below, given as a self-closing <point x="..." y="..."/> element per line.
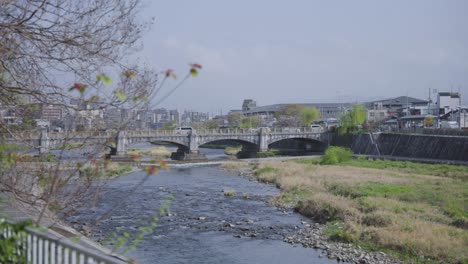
<point x="187" y="141"/>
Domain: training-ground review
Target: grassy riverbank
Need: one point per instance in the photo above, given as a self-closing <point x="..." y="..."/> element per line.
<point x="156" y="152"/>
<point x="415" y="212"/>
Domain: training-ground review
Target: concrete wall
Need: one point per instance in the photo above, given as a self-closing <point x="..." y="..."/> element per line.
<point x="406" y="145"/>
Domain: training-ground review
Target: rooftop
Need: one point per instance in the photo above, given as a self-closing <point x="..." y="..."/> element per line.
<point x="277" y="107"/>
<point x="401" y="100"/>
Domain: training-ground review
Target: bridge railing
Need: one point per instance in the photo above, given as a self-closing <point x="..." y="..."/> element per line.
<point x="226" y="131"/>
<point x="289" y="130"/>
<point x="19" y="135"/>
<point x="43" y="247"/>
<point x="80" y="135"/>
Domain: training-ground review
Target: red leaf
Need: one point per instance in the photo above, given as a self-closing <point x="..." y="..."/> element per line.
<point x="79" y="87"/>
<point x="168" y="72"/>
<point x="135" y="156"/>
<point x="163" y="165"/>
<point x="196" y="65"/>
<point x="129" y="74"/>
<point x="151" y="169"/>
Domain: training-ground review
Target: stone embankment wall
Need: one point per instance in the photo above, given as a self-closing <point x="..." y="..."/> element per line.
<point x="406" y="145"/>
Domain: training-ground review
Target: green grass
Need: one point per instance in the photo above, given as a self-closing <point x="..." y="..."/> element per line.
<point x="264" y="170"/>
<point x="293" y="196"/>
<point x="412" y="211"/>
<point x="232" y="150"/>
<point x="453" y="171"/>
<point x="449" y="195"/>
<point x="117" y="171"/>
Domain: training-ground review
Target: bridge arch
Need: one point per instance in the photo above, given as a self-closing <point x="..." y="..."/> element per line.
<point x="305" y="144"/>
<point x="244" y="143"/>
<point x="175" y="143"/>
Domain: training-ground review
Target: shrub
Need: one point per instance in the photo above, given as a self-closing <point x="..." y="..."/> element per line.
<point x="229" y="193"/>
<point x="337" y="231"/>
<point x="377" y="219"/>
<point x="335" y="155"/>
<point x="267" y="154"/>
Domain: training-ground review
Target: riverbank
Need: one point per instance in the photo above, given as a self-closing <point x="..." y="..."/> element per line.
<point x="411" y="212"/>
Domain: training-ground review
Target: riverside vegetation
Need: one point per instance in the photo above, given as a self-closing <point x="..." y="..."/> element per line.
<point x="414" y="212"/>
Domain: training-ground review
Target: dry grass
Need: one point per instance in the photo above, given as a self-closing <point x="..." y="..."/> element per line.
<point x="234" y="165"/>
<point x="409" y="215"/>
<point x="159" y="152"/>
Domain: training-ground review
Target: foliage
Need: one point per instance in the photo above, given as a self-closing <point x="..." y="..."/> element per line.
<point x="10" y="244"/>
<point x="336" y="231"/>
<point x="335" y="155"/>
<point x="263" y="170"/>
<point x="289" y="110"/>
<point x="250" y="122"/>
<point x="452" y="171"/>
<point x="266" y="154"/>
<point x="210" y="124"/>
<point x="289" y="115"/>
<point x="428" y="121"/>
<point x="350" y="121"/>
<point x="309" y="115"/>
<point x="232" y="150"/>
<point x="229" y="193"/>
<point x="169" y="125"/>
<point x="234" y="119"/>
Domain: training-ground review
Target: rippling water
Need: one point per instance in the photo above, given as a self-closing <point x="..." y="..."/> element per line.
<point x="204" y="225"/>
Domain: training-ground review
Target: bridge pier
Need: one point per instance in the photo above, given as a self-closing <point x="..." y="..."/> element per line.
<point x="121" y="143"/>
<point x="190" y="153"/>
<point x="44" y="142"/>
<point x="263" y="140"/>
<point x="185" y="154"/>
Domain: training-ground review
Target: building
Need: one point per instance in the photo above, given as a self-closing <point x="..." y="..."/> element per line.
<point x="248" y="104"/>
<point x="448" y="101"/>
<point x="8" y="116"/>
<point x="400" y="106"/>
<point x="189" y="117"/>
<point x="51" y="112"/>
<point x="115" y="118"/>
<point x="327" y="110"/>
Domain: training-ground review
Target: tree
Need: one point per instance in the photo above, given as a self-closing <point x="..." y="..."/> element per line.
<point x="309" y="115"/>
<point x="168" y="125"/>
<point x="210" y="124"/>
<point x="289" y="115"/>
<point x="234" y="119"/>
<point x="352" y="119"/>
<point x="428" y="121"/>
<point x="43" y="45"/>
<point x="250" y="122"/>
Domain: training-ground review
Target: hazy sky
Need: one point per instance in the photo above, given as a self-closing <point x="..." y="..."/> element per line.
<point x="308" y="51"/>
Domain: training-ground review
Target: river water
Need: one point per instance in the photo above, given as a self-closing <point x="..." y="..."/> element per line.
<point x="204" y="225"/>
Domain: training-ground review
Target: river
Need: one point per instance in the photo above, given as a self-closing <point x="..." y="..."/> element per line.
<point x="204" y="225"/>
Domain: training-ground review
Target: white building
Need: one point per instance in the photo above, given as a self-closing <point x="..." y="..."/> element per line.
<point x="448" y="101"/>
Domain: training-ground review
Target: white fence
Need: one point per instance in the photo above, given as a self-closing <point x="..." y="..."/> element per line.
<point x="38" y="247"/>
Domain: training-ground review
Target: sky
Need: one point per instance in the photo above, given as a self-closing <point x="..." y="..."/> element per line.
<point x="306" y="51"/>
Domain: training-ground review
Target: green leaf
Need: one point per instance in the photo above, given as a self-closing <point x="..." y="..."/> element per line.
<point x="120" y="95"/>
<point x="104" y="79"/>
<point x="93" y="98"/>
<point x="193" y="72"/>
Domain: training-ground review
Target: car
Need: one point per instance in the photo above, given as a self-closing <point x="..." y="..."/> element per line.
<point x="183" y="130"/>
<point x="317" y="128"/>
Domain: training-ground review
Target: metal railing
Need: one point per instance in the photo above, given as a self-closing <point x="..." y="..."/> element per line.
<point x="430" y="131"/>
<point x="39" y="247"/>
